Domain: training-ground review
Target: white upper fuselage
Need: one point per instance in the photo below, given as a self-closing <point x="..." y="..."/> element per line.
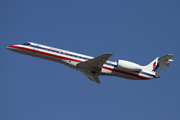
<point x="71" y="59"/>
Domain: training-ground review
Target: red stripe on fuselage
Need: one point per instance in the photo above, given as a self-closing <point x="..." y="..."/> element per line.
<point x="123" y="72"/>
<point x="44" y="53"/>
<point x="65" y="58"/>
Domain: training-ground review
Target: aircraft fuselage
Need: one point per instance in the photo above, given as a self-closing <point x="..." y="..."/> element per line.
<point x="71" y="59"/>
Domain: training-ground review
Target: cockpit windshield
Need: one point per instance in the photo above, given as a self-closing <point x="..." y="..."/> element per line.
<point x="26" y="44"/>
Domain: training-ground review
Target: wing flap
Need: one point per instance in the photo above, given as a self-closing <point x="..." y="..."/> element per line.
<point x="92" y="77"/>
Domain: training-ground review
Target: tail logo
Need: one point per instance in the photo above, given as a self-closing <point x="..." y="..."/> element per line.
<point x="154" y="64"/>
<point x="155" y="67"/>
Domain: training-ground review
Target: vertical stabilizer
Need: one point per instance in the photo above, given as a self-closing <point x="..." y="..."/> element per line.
<point x="157" y="65"/>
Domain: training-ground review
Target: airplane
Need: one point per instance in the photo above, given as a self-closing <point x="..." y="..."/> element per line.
<point x="93" y="67"/>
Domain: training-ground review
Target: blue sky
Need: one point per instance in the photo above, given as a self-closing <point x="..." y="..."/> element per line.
<point x="135" y="30"/>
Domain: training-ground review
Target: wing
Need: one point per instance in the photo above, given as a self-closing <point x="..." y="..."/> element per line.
<point x="92" y="76"/>
<point x="91" y="67"/>
<point x="96" y="63"/>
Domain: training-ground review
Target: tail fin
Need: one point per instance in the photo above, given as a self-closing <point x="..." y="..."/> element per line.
<point x="157" y="65"/>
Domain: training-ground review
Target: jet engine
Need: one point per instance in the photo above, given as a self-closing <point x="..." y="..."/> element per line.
<point x="127" y="65"/>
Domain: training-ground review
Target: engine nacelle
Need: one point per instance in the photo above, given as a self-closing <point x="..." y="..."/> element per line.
<point x="130" y="66"/>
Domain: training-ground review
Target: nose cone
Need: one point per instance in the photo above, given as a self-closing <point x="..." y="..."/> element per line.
<point x="9" y="48"/>
<point x="12" y="48"/>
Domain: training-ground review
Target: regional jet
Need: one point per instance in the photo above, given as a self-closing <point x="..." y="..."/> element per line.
<point x="93" y="67"/>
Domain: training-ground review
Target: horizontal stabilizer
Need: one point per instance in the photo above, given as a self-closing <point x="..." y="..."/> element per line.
<point x="170" y="60"/>
<point x="167" y="58"/>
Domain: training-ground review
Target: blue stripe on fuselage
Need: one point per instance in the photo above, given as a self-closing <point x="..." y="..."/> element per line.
<point x="148" y="74"/>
